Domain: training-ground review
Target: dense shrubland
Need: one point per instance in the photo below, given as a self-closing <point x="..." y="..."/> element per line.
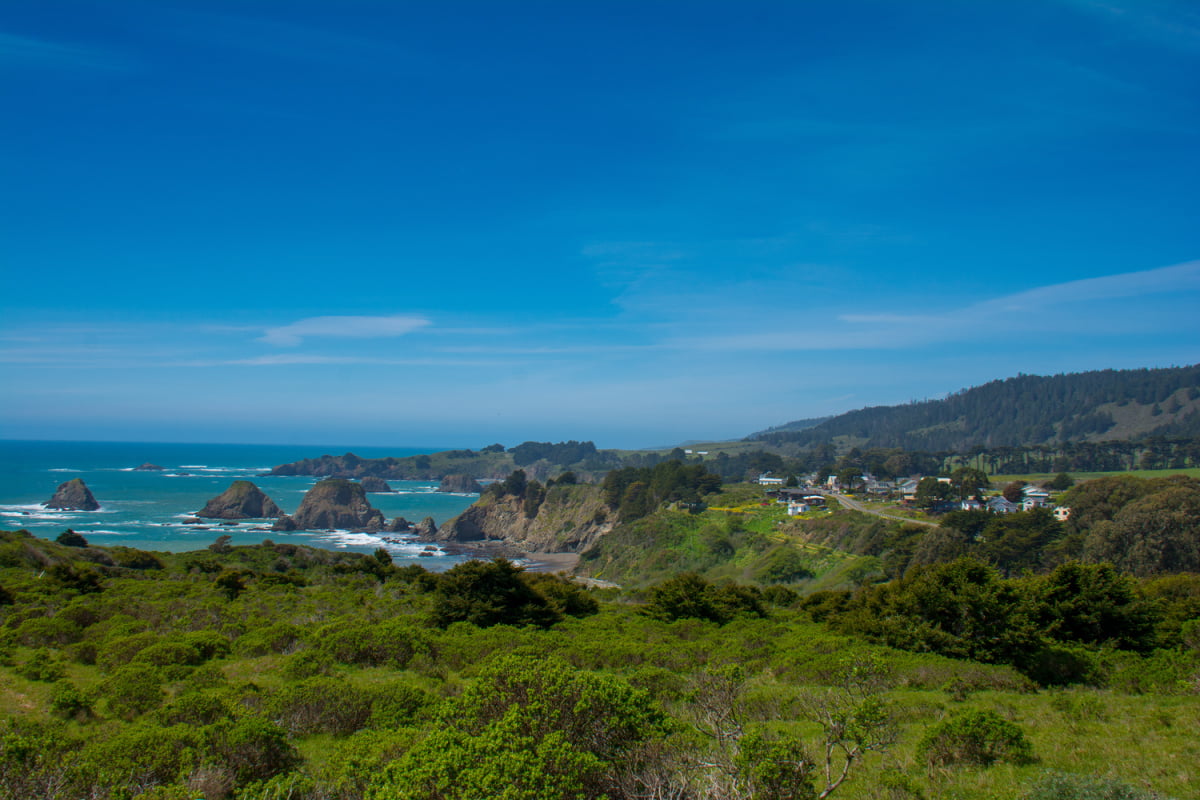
<point x="748" y="656"/>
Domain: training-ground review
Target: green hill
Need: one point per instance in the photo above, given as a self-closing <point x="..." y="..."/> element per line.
<point x="1026" y="410"/>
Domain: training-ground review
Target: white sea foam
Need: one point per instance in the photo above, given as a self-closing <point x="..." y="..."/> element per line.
<point x="64" y="469"/>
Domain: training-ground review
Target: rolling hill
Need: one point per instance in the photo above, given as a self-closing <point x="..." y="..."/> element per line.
<point x="1104" y="405"/>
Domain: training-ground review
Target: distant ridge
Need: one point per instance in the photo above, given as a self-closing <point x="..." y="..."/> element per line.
<point x="1104" y="405"/>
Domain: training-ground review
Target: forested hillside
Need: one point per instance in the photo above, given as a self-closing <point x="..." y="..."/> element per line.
<point x="1025" y="410"/>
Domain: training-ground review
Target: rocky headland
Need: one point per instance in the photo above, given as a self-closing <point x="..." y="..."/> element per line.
<point x="568" y="519"/>
<point x="74" y="495"/>
<point x="242" y="500"/>
<point x="333" y="503"/>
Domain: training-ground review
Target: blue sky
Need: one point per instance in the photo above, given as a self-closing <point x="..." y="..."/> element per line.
<point x="448" y="224"/>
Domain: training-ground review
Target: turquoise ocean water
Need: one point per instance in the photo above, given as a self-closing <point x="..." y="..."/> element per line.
<point x="146" y="509"/>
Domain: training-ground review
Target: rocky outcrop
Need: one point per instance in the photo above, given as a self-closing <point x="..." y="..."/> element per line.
<point x="285" y="524"/>
<point x="372" y="484"/>
<point x="336" y="503"/>
<point x="426" y="529"/>
<point x="242" y="500"/>
<point x="569" y="519"/>
<point x="74" y="495"/>
<point x="148" y="467"/>
<point x="399" y="525"/>
<point x="460" y="484"/>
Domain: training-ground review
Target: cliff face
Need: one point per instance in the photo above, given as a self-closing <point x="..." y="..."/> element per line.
<point x="242" y="500"/>
<point x="569" y="519"/>
<point x="334" y="503"/>
<point x="74" y="495"/>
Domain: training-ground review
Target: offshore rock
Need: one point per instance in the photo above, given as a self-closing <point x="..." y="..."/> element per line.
<point x="242" y="500"/>
<point x="74" y="495"/>
<point x="284" y="524"/>
<point x="372" y="484"/>
<point x="460" y="484"/>
<point x="426" y="529"/>
<point x="337" y="503"/>
<point x="399" y="525"/>
<point x="148" y="467"/>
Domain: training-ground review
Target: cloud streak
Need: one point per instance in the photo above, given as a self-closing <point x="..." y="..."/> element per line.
<point x="343" y="328"/>
<point x="26" y="51"/>
<point x="1064" y="305"/>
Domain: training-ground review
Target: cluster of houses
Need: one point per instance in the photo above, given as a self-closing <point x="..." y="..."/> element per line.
<point x="800" y="500"/>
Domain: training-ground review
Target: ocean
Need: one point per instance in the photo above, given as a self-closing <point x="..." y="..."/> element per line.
<point x="146" y="509"/>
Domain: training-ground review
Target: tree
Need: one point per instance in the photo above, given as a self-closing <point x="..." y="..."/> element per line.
<point x="487" y="593"/>
<point x="71" y="539"/>
<point x="1093" y="604"/>
<point x="969" y="482"/>
<point x="1061" y="482"/>
<point x="1154" y="534"/>
<point x="931" y="492"/>
<point x="1014" y="492"/>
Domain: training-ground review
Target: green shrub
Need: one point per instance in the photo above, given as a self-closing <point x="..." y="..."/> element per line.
<point x="253" y="748"/>
<point x="122" y="649"/>
<point x="974" y="737"/>
<point x="395" y="704"/>
<point x="1066" y="786"/>
<point x="42" y="666"/>
<point x="320" y="705"/>
<point x="278" y="638"/>
<point x="370" y="644"/>
<point x="48" y="631"/>
<point x="307" y="664"/>
<point x="68" y="702"/>
<point x="132" y="690"/>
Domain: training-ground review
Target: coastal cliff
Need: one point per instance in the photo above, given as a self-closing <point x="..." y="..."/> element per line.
<point x="564" y="518"/>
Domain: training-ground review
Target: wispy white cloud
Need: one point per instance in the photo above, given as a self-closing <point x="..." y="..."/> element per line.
<point x="1167" y="22"/>
<point x="27" y="51"/>
<point x="343" y="328"/>
<point x="1067" y="306"/>
<point x="295" y="359"/>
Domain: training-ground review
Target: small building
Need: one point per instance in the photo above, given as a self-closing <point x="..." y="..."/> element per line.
<point x="795" y="508"/>
<point x="766" y="480"/>
<point x="1062" y="513"/>
<point x="1002" y="505"/>
<point x="971" y="504"/>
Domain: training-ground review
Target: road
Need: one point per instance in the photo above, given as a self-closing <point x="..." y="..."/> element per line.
<point x="854" y="505"/>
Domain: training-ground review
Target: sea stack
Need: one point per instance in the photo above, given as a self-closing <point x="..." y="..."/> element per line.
<point x="73" y="495"/>
<point x="336" y="503"/>
<point x="426" y="529"/>
<point x="370" y="483"/>
<point x="242" y="500"/>
<point x="460" y="484"/>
